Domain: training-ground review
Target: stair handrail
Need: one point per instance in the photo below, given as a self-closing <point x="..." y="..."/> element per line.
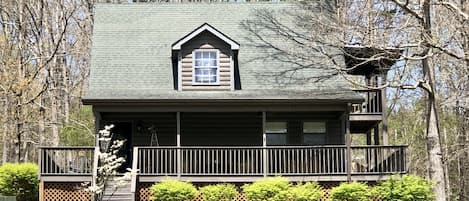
<point x="95" y="167"/>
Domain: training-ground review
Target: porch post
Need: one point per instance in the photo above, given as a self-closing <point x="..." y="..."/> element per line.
<point x="348" y="141"/>
<point x="264" y="145"/>
<point x="178" y="143"/>
<point x="133" y="183"/>
<point x="384" y="112"/>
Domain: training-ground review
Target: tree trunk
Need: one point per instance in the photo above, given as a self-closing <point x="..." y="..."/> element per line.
<point x="435" y="155"/>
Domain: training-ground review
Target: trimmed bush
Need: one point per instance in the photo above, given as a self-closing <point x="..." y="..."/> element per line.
<point x="310" y="191"/>
<point x="172" y="190"/>
<point x="219" y="192"/>
<point x="408" y="188"/>
<point x="351" y="192"/>
<point x="270" y="189"/>
<point x="20" y="180"/>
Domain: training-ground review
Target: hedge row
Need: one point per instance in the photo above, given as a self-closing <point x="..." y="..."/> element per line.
<point x="407" y="188"/>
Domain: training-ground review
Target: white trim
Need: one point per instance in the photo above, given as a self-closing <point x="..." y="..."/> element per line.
<point x="232" y="83"/>
<point x="205" y="27"/>
<point x="217" y="81"/>
<point x="179" y="71"/>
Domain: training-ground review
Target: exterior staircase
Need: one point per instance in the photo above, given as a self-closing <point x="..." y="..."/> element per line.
<point x="122" y="193"/>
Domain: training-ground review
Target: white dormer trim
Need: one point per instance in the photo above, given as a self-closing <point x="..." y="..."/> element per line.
<point x="205" y="27"/>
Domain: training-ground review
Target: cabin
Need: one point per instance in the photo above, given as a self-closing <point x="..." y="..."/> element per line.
<point x="198" y="99"/>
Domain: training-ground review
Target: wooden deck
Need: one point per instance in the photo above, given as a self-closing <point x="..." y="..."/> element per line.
<point x="235" y="164"/>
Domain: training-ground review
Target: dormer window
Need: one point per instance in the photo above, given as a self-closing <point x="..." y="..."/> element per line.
<point x="205" y="65"/>
<point x="206" y="60"/>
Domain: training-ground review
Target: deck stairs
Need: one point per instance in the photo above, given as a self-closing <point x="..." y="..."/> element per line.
<point x="121" y="193"/>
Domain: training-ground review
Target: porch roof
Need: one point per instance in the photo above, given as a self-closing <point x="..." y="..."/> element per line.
<point x="278" y="95"/>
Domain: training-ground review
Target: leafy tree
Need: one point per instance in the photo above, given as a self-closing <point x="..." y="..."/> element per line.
<point x="79" y="131"/>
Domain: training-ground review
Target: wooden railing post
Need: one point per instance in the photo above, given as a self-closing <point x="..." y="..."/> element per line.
<point x="348" y="141"/>
<point x="264" y="145"/>
<point x="133" y="182"/>
<point x="178" y="144"/>
<point x="39" y="163"/>
<point x="95" y="168"/>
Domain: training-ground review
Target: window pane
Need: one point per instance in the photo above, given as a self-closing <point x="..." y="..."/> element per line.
<point x="197" y="72"/>
<point x="213" y="71"/>
<point x="276" y="139"/>
<point x="314" y="127"/>
<point x="314" y="139"/>
<point x="276" y="127"/>
<point x="197" y="62"/>
<point x="205" y="62"/>
<point x="213" y="62"/>
<point x="197" y="79"/>
<point x="198" y="55"/>
<point x="213" y="78"/>
<point x="206" y="55"/>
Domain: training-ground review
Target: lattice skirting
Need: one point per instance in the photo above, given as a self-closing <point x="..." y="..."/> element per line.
<point x="143" y="193"/>
<point x="64" y="191"/>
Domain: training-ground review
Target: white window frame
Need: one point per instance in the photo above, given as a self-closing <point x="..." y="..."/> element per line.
<point x="313" y="133"/>
<point x="217" y="81"/>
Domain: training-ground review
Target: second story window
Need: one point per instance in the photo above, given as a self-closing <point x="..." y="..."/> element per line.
<point x="205" y="67"/>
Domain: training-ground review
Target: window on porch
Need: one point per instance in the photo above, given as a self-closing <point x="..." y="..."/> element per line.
<point x="276" y="133"/>
<point x="314" y="133"/>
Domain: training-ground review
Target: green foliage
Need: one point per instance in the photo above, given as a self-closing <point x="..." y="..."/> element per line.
<point x="219" y="192"/>
<point x="408" y="188"/>
<point x="79" y="131"/>
<point x="306" y="192"/>
<point x="270" y="189"/>
<point x="172" y="190"/>
<point x="20" y="180"/>
<point x="351" y="192"/>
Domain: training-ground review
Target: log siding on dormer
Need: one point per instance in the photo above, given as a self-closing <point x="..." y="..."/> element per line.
<point x="206" y="41"/>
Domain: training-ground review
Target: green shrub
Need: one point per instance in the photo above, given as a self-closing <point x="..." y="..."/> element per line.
<point x="306" y="192"/>
<point x="172" y="190"/>
<point x="219" y="192"/>
<point x="408" y="188"/>
<point x="351" y="192"/>
<point x="20" y="180"/>
<point x="270" y="189"/>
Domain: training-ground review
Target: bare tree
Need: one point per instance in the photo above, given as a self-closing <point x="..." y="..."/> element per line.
<point x="412" y="29"/>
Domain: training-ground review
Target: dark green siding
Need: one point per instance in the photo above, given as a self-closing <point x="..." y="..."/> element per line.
<point x="221" y="128"/>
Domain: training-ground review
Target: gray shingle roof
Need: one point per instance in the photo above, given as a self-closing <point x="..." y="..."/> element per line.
<point x="131" y="55"/>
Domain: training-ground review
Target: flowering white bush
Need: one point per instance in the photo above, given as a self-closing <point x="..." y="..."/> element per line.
<point x="108" y="164"/>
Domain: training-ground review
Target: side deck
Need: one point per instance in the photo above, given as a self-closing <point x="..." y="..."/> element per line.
<point x="234" y="164"/>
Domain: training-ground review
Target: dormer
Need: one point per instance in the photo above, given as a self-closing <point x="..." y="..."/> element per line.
<point x="205" y="60"/>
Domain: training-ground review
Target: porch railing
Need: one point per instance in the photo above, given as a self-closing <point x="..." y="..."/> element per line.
<point x="236" y="161"/>
<point x="372" y="104"/>
<point x="280" y="160"/>
<point x="66" y="160"/>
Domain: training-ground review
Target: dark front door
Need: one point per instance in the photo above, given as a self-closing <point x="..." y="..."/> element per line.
<point x="123" y="131"/>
